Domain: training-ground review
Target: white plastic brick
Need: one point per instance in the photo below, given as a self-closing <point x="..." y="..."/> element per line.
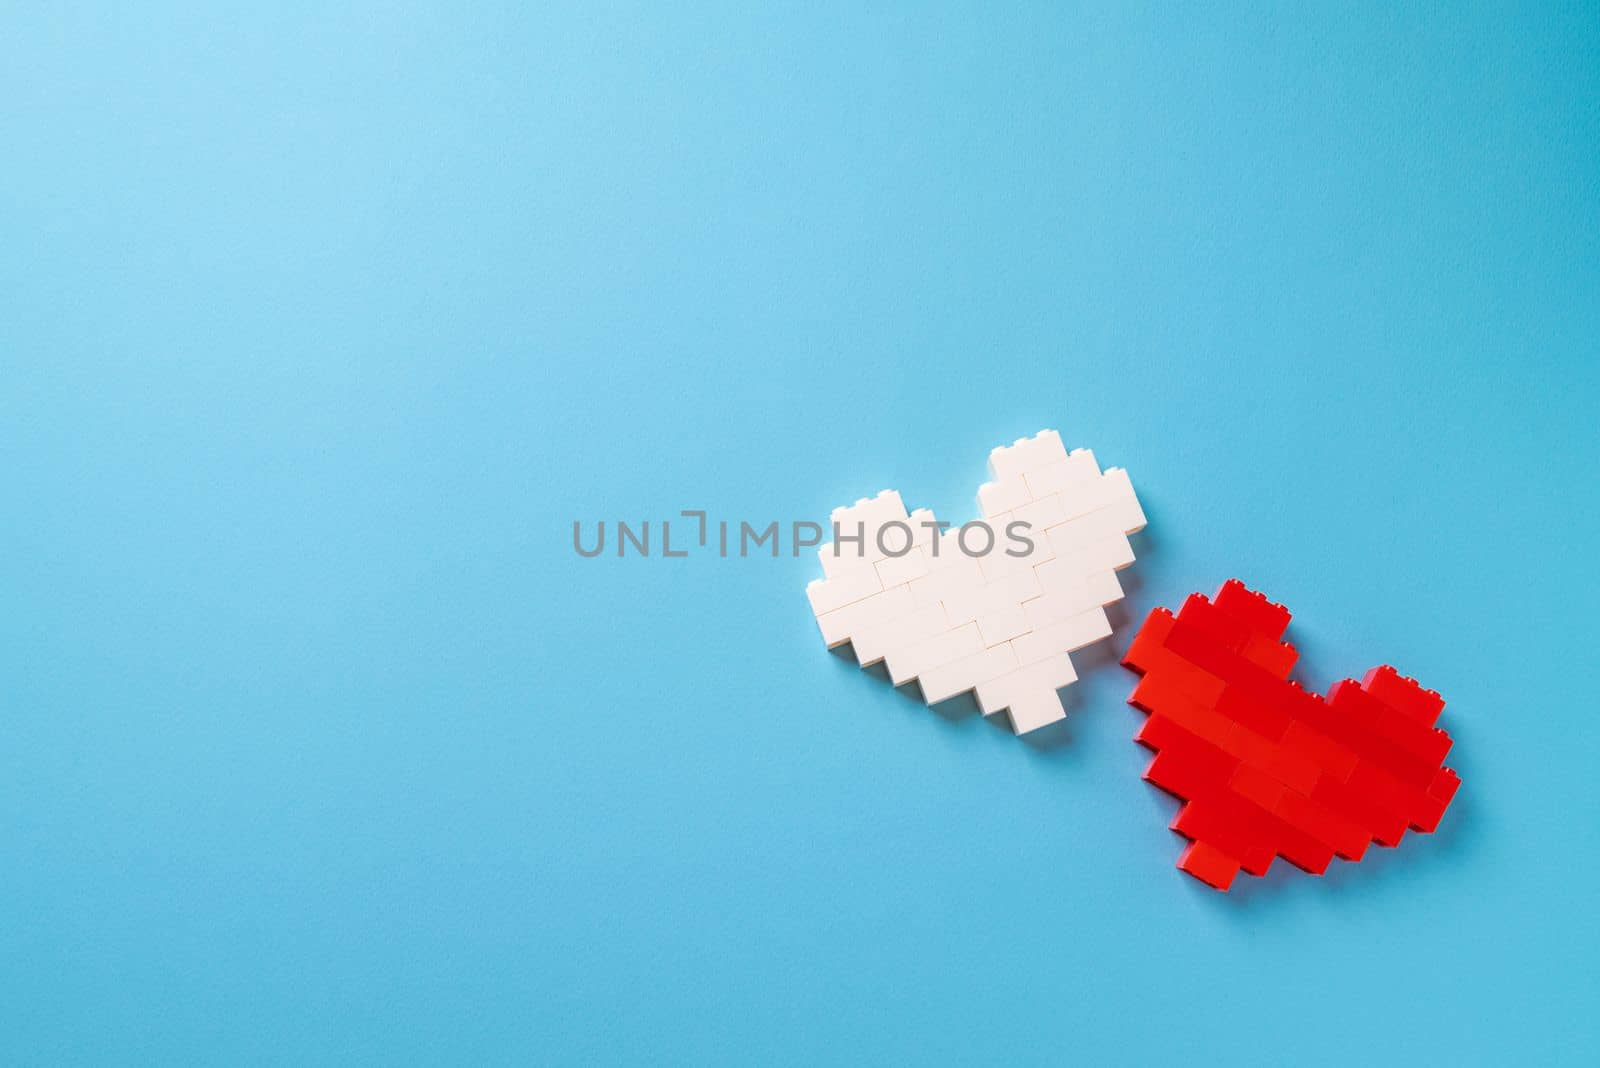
<point x="1044" y="677"/>
<point x="873" y="641"/>
<point x="1040" y="514"/>
<point x="1123" y="500"/>
<point x="899" y="570"/>
<point x="1000" y="624"/>
<point x="829" y="594"/>
<point x="1069" y="476"/>
<point x="1035" y="710"/>
<point x="944" y="682"/>
<point x="946" y="648"/>
<point x="1002" y="496"/>
<point x="872" y="514"/>
<point x="1001" y="563"/>
<point x="958" y="574"/>
<point x="998" y="627"/>
<point x="1111" y="490"/>
<point x="922" y="529"/>
<point x="1067" y="636"/>
<point x="1004" y="592"/>
<point x="1070" y="568"/>
<point x="840" y="625"/>
<point x="1026" y="454"/>
<point x="1080" y="530"/>
<point x="1072" y="597"/>
<point x="945" y="551"/>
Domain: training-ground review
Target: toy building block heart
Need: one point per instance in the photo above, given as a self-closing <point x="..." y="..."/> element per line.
<point x="997" y="609"/>
<point x="1266" y="769"/>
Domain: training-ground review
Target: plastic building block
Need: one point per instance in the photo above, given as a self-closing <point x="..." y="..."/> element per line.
<point x="1266" y="769"/>
<point x="991" y="613"/>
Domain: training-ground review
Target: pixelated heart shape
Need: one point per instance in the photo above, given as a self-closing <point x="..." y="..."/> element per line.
<point x="959" y="611"/>
<point x="1266" y="769"/>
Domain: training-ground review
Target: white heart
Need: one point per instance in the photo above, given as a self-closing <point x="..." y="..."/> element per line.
<point x="1000" y="624"/>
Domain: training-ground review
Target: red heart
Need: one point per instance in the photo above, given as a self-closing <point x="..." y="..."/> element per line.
<point x="1265" y="768"/>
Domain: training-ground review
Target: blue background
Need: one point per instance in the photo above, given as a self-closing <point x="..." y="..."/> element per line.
<point x="320" y="326"/>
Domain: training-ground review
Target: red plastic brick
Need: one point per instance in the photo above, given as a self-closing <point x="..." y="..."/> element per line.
<point x="1209" y="865"/>
<point x="1266" y="769"/>
<point x="1264" y="618"/>
<point x="1399" y="692"/>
